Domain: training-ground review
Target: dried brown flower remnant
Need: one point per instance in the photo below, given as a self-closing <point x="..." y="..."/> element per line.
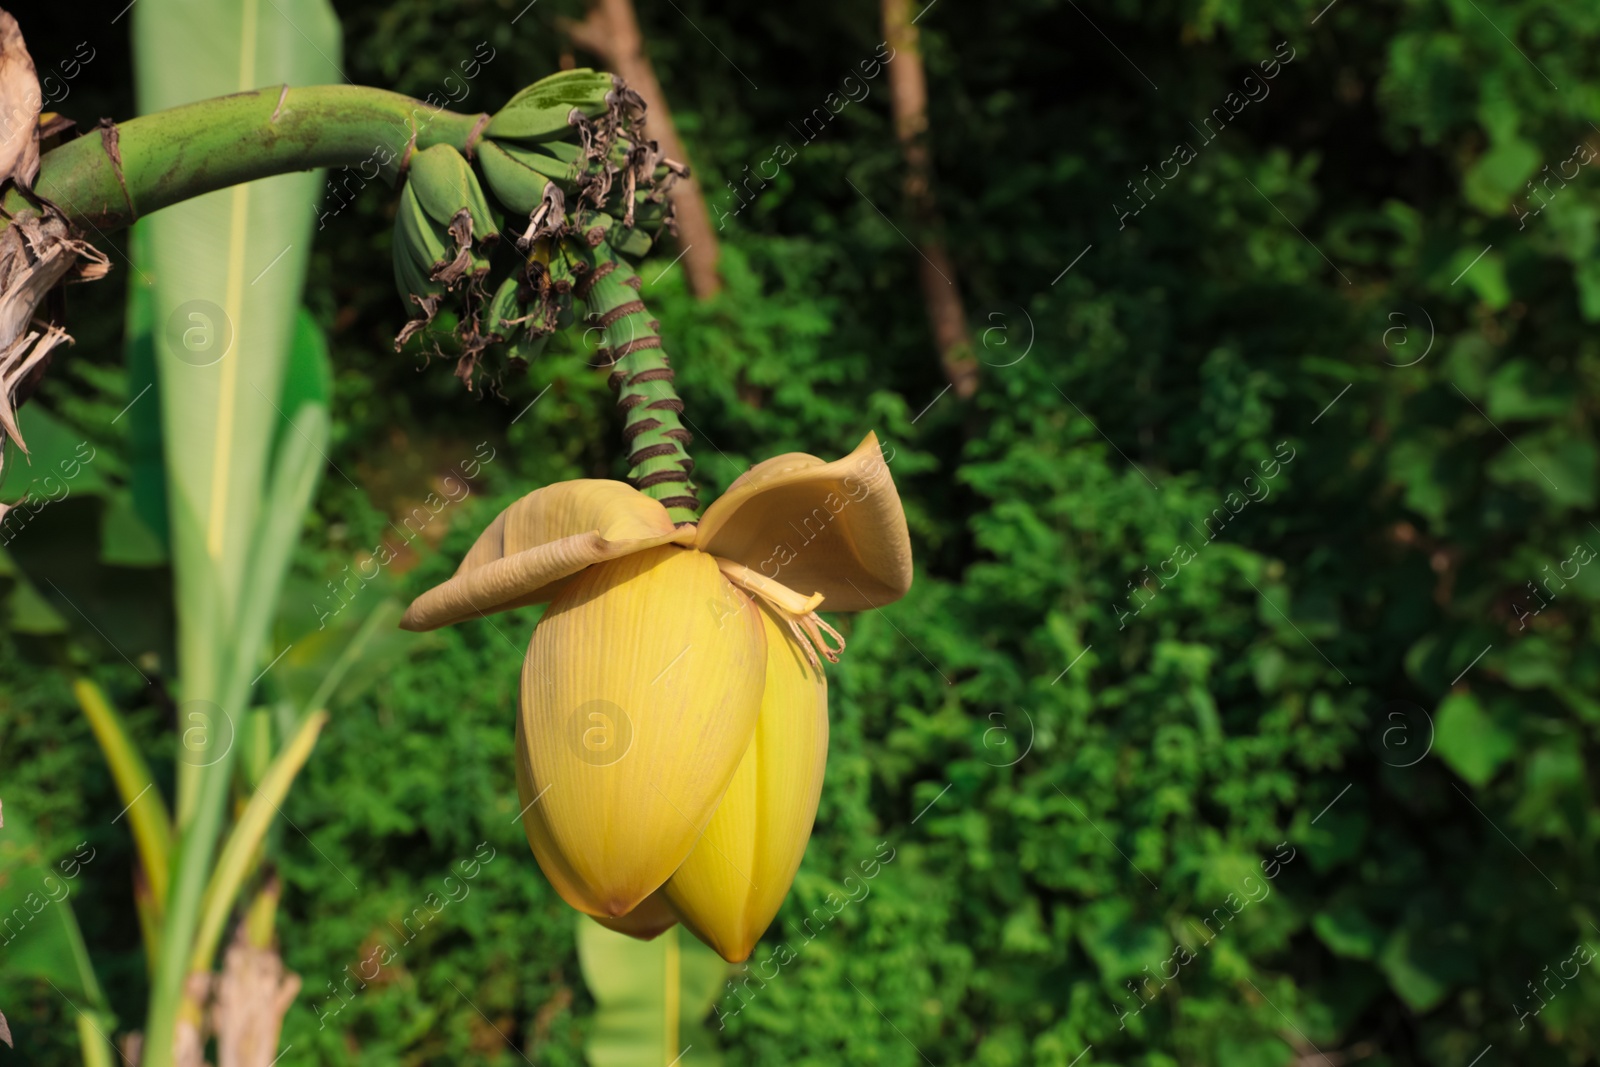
<point x="20" y="103"/>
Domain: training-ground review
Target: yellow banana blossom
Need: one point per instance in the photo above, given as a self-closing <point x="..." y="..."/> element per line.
<point x="672" y="729"/>
<point x="729" y="888"/>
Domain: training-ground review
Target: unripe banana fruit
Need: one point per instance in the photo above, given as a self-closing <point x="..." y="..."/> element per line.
<point x="568" y="154"/>
<point x="417" y="248"/>
<point x="543" y="111"/>
<point x="447" y="197"/>
<point x="417" y="237"/>
<point x="446" y="186"/>
<point x="443" y="232"/>
<point x="505" y="316"/>
<point x="513" y="178"/>
<point x="631" y="241"/>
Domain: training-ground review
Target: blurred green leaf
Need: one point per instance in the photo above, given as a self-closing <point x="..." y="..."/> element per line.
<point x="39" y="930"/>
<point x="1469" y="739"/>
<point x="634" y="983"/>
<point x="1347" y="932"/>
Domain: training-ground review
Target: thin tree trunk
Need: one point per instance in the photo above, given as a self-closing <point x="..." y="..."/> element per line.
<point x="611" y="32"/>
<point x="908" y="94"/>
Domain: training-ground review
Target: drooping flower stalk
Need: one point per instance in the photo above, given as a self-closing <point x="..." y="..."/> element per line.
<point x="658" y="459"/>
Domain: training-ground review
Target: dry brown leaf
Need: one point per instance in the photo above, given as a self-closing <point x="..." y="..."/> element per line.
<point x="20" y="104"/>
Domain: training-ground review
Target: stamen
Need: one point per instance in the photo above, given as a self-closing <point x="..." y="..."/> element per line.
<point x="779" y="596"/>
<point x="799" y="612"/>
<point x="815" y="628"/>
<point x="800" y="639"/>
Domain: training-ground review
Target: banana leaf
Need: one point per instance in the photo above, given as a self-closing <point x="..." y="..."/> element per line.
<point x="82" y="561"/>
<point x="652" y="997"/>
<point x="223" y="275"/>
<point x="242" y="386"/>
<point x="39" y="935"/>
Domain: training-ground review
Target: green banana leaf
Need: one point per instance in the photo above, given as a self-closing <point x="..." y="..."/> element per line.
<point x="80" y="562"/>
<point x="238" y="856"/>
<point x="55" y="466"/>
<point x="147" y="476"/>
<point x="243" y="397"/>
<point x="22" y="610"/>
<point x="300" y="452"/>
<point x="634" y="983"/>
<point x="347" y="653"/>
<point x="39" y="935"/>
<point x="224" y="277"/>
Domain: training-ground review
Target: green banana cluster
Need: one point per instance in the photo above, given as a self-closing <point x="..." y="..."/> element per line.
<point x="547" y="182"/>
<point x="567" y="153"/>
<point x="444" y="232"/>
<point x="531" y="305"/>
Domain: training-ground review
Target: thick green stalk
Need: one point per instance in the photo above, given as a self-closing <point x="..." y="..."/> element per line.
<point x="115" y="174"/>
<point x="658" y="457"/>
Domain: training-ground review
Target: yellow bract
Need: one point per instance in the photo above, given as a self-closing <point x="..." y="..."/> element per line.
<point x="730" y="887"/>
<point x="638" y="700"/>
<point x="535" y="545"/>
<point x="672" y="731"/>
<point x="652" y="918"/>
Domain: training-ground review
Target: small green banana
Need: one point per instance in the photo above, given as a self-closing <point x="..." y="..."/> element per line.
<point x="551" y="281"/>
<point x="630" y="241"/>
<point x="516" y="184"/>
<point x="411" y="282"/>
<point x="564" y="172"/>
<point x="504" y="317"/>
<point x="446" y="185"/>
<point x="521" y="175"/>
<point x="543" y="110"/>
<point x="572" y="154"/>
<point x="556" y="161"/>
<point x="429" y="243"/>
<point x="591" y="225"/>
<point x="418" y="239"/>
<point x="566" y="151"/>
<point x="596" y="226"/>
<point x="417" y="247"/>
<point x="649" y="212"/>
<point x="445" y="252"/>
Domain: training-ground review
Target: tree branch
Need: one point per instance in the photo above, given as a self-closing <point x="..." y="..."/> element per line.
<point x="908" y="93"/>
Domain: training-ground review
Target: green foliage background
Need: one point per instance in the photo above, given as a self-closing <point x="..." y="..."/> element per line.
<point x="1275" y="690"/>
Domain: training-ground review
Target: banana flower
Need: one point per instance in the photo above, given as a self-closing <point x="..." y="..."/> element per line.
<point x="672" y="728"/>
